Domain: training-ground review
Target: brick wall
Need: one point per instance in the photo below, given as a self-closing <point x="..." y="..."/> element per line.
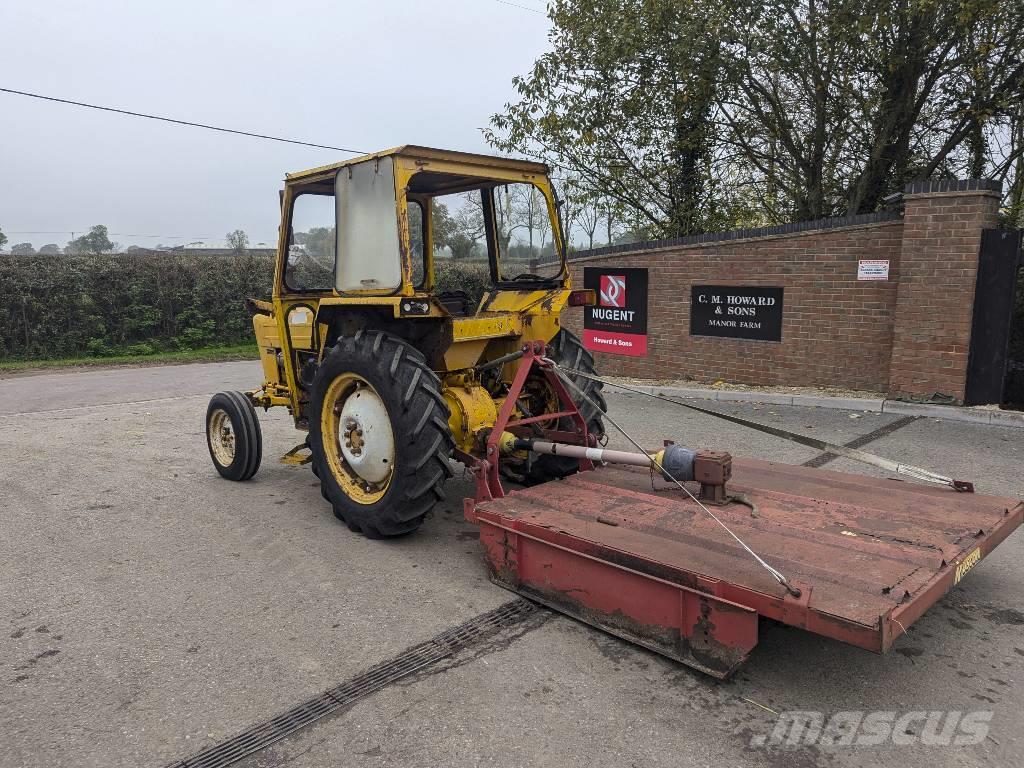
<point x="837" y="331"/>
<point x="935" y="299"/>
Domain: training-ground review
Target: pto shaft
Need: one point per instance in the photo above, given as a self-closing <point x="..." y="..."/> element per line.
<point x="673" y="461"/>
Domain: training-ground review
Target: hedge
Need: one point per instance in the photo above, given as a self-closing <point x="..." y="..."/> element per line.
<point x="68" y="306"/>
<point x="140" y="303"/>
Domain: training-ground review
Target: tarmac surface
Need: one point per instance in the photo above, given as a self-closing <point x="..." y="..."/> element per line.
<point x="151" y="609"/>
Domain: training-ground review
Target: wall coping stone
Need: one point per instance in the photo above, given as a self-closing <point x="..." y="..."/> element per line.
<point x="938" y="186"/>
<point x="914" y="188"/>
<point x="797" y="227"/>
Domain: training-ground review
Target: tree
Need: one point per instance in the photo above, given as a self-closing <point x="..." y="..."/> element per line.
<point x="445" y="228"/>
<point x="467" y="226"/>
<point x="588" y="217"/>
<point x="690" y="115"/>
<point x="528" y="211"/>
<point x="3" y="239"/>
<point x="50" y="249"/>
<point x="623" y="101"/>
<point x="461" y="245"/>
<point x="238" y="241"/>
<point x="835" y="105"/>
<point x="1015" y="170"/>
<point x="93" y="243"/>
<point x="319" y="243"/>
<point x="23" y="249"/>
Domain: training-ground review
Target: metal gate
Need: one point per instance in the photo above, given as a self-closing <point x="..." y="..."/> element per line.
<point x="996" y="361"/>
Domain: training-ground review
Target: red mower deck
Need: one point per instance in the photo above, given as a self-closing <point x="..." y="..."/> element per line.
<point x="869" y="556"/>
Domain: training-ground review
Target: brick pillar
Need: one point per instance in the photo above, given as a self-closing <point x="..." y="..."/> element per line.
<point x="942" y="226"/>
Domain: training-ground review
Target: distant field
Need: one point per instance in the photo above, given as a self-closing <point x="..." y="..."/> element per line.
<point x="208" y="354"/>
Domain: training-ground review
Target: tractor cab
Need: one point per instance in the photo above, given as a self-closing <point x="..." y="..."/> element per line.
<point x="451" y="263"/>
<point x="385" y="225"/>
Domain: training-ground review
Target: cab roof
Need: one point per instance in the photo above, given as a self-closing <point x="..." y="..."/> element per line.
<point x="415" y="152"/>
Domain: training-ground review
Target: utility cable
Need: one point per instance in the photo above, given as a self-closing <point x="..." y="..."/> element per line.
<point x="918" y="473"/>
<point x="521" y="7"/>
<point x="180" y="122"/>
<point x="776" y="574"/>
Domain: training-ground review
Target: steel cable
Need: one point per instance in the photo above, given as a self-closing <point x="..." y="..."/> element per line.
<point x="776" y="574"/>
<point x="918" y="473"/>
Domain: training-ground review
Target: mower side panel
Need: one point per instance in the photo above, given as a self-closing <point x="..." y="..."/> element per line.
<point x="706" y="632"/>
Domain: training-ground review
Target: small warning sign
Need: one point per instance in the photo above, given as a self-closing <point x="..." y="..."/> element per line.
<point x="873" y="269"/>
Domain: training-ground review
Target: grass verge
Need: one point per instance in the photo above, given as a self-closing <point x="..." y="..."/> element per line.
<point x="206" y="355"/>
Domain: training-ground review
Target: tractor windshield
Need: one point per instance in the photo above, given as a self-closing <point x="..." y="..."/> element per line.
<point x="524" y="233"/>
<point x="505" y="229"/>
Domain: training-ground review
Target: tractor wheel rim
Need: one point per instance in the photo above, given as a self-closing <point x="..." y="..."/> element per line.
<point x="541" y="389"/>
<point x="221" y="435"/>
<point x="358" y="439"/>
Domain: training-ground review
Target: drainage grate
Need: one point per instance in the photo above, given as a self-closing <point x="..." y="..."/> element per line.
<point x="824" y="458"/>
<point x="374" y="679"/>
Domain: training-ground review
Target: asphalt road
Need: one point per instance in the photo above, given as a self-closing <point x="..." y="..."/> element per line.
<point x="151" y="609"/>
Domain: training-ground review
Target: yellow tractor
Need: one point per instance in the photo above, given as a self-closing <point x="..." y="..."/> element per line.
<point x="392" y="372"/>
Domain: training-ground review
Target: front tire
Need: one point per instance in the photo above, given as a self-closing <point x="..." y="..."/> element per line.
<point x="379" y="435"/>
<point x="233" y="435"/>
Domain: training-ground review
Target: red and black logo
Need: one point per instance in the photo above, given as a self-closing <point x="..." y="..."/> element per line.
<point x="613" y="291"/>
<point x="618" y="324"/>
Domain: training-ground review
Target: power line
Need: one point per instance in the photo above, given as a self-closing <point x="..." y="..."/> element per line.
<point x="181" y="122"/>
<point x="521" y="7"/>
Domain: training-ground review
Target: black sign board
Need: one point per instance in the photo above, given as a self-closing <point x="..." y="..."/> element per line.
<point x="618" y="324"/>
<point x="736" y="311"/>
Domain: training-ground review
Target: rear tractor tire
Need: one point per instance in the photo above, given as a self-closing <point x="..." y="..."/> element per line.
<point x="379" y="435"/>
<point x="568" y="351"/>
<point x="233" y="435"/>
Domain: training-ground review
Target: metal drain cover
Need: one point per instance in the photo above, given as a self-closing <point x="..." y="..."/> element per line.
<point x="374" y="679"/>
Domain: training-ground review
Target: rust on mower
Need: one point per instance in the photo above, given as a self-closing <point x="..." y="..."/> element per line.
<point x="869" y="556"/>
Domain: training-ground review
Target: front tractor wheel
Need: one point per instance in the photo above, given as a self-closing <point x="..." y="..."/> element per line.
<point x="233" y="435"/>
<point x="379" y="434"/>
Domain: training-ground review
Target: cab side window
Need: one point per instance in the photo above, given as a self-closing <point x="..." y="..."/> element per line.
<point x="417" y="236"/>
<point x="311" y="244"/>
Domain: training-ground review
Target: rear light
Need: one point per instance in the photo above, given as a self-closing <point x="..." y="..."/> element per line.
<point x="585" y="298"/>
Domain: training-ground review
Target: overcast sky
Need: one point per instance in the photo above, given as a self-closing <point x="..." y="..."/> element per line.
<point x="365" y="75"/>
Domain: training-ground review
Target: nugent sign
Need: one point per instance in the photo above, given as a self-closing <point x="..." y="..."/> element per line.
<point x="618" y="324"/>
